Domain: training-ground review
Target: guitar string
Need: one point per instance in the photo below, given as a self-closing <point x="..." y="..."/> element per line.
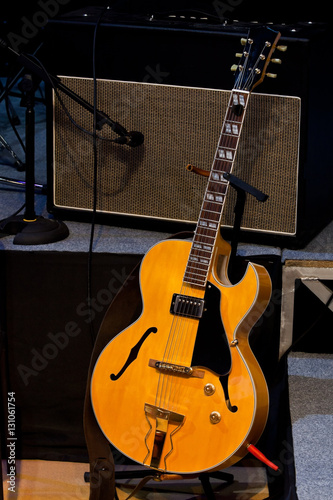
<point x="179" y="355"/>
<point x="178" y="335"/>
<point x="185" y="328"/>
<point x="174" y="352"/>
<point x="181" y="326"/>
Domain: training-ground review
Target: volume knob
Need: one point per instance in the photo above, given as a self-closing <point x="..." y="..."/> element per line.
<point x="215" y="417"/>
<point x="209" y="389"/>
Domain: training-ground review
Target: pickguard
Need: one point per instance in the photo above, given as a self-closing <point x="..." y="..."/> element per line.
<point x="211" y="347"/>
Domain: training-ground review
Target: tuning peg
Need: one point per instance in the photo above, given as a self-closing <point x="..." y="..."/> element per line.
<point x="271" y="75"/>
<point x="282" y="48"/>
<point x="238" y="54"/>
<point x="243" y="41"/>
<point x="276" y="61"/>
<point x="234" y="67"/>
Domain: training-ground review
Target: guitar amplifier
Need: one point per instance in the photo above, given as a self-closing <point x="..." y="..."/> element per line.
<point x="171" y="82"/>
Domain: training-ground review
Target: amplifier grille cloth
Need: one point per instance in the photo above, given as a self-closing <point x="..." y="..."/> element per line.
<point x="181" y="125"/>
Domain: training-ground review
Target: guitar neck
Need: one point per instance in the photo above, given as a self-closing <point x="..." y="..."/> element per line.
<point x="208" y="226"/>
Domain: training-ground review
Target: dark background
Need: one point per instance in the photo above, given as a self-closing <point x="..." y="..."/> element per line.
<point x="14" y="14"/>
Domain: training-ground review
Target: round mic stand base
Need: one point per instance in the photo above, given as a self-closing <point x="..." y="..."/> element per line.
<point x="35" y="232"/>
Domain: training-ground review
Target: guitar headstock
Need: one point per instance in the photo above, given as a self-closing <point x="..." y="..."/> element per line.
<point x="257" y="54"/>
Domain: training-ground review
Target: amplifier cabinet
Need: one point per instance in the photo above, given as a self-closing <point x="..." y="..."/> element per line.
<point x="181" y="126"/>
<point x="171" y="82"/>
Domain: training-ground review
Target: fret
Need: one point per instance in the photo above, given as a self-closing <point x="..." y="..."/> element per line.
<point x="213" y="209"/>
<point x="208" y="216"/>
<point x="209" y="208"/>
<point x="218" y="183"/>
<point x="217" y="177"/>
<point x="222" y="166"/>
<point x="203" y="237"/>
<point x="229" y="142"/>
<point x="203" y="248"/>
<point x="195" y="269"/>
<point x="214" y="198"/>
<point x="200" y="261"/>
<point x="226" y="153"/>
<point x="201" y="283"/>
<point x="239" y="98"/>
<point x="207" y="224"/>
<point x="231" y="128"/>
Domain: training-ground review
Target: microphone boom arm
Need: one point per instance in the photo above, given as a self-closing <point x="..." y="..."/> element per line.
<point x="101" y="117"/>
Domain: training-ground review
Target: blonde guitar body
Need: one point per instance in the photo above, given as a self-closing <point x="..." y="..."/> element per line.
<point x="184" y="393"/>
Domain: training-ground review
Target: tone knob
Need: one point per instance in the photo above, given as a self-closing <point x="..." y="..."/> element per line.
<point x="209" y="389"/>
<point x="215" y="417"/>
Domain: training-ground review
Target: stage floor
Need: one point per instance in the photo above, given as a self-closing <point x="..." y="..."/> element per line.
<point x="39" y="479"/>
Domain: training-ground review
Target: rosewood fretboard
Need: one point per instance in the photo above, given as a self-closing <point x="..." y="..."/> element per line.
<point x="199" y="261"/>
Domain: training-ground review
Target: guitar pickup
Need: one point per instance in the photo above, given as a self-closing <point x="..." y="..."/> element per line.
<point x="185" y="305"/>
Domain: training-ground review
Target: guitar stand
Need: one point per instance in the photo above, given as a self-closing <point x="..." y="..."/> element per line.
<point x="242" y="188"/>
<point x="146" y="475"/>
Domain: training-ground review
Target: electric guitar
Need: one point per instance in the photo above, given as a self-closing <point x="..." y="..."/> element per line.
<point x="180" y="390"/>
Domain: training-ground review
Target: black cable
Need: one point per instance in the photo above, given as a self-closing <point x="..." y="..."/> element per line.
<point x="95" y="175"/>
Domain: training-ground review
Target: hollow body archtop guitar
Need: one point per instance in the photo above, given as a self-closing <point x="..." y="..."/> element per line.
<point x="180" y="390"/>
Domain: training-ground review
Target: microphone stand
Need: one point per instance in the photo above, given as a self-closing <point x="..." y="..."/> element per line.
<point x="29" y="228"/>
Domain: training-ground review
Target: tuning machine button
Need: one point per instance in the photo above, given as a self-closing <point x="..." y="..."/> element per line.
<point x="271" y="75"/>
<point x="244" y="41"/>
<point x="282" y="48"/>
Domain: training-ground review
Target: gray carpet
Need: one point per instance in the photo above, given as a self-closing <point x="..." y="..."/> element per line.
<point x="311" y="404"/>
<point x="310" y="375"/>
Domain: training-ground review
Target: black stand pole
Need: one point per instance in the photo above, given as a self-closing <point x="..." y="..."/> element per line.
<point x="29" y="228"/>
<point x="242" y="188"/>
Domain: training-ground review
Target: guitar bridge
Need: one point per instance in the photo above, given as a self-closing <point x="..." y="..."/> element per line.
<point x="163" y="419"/>
<point x="173" y="369"/>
